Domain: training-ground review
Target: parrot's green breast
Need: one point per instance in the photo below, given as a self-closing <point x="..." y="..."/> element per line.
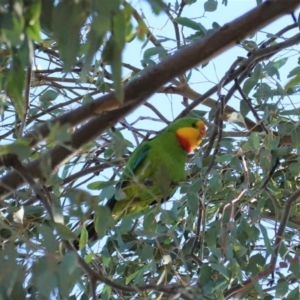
<point x="151" y="175"/>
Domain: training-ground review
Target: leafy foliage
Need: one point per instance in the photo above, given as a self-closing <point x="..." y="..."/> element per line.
<point x="232" y="228"/>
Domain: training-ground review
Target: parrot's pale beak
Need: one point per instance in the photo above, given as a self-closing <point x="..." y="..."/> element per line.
<point x="203" y="132"/>
<point x="202" y="128"/>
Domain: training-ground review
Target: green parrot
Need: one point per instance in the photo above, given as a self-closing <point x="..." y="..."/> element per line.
<point x="155" y="168"/>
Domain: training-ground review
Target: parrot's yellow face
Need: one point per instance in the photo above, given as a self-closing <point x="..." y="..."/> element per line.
<point x="191" y="137"/>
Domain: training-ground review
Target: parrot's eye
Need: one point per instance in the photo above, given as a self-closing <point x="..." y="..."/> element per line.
<point x="194" y="125"/>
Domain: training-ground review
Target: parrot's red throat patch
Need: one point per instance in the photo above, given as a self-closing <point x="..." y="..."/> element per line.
<point x="185" y="144"/>
<point x="189" y="138"/>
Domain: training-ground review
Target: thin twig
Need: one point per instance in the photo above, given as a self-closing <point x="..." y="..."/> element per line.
<point x="248" y="103"/>
<point x="27" y="99"/>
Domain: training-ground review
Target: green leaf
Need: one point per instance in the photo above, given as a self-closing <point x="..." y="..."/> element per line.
<point x="112" y="54"/>
<point x="294" y="168"/>
<point x="198" y="160"/>
<point x="101" y="23"/>
<point x="254" y="140"/>
<point x="149" y="222"/>
<point x="196" y="113"/>
<point x="160" y="51"/>
<point x="59" y="133"/>
<point x="257" y="72"/>
<point x="295" y="135"/>
<point x="256" y="264"/>
<point x="210" y="5"/>
<point x="290" y="112"/>
<point x="12" y="25"/>
<point x="68" y="33"/>
<point x="195" y="186"/>
<point x="103" y="220"/>
<point x="211" y="236"/>
<point x="263" y="91"/>
<point x="266" y="239"/>
<point x="280" y="62"/>
<point x="88" y="258"/>
<point x="146" y="252"/>
<point x="249" y="45"/>
<point x="32" y="17"/>
<point x="106" y="292"/>
<point x="119" y="33"/>
<point x="106" y="258"/>
<point x="294" y="294"/>
<point x="253" y="233"/>
<point x="87" y="99"/>
<point x="282" y="288"/>
<point x="193" y="202"/>
<point x="107" y="192"/>
<point x="84" y="237"/>
<point x="48" y="95"/>
<point x="187" y="23"/>
<point x="266" y="160"/>
<point x="244" y="108"/>
<point x="215" y="182"/>
<point x="46" y="282"/>
<point x="236" y="164"/>
<point x="293" y="82"/>
<point x="64" y="232"/>
<point x="157" y="6"/>
<point x="285" y="128"/>
<point x="272" y="67"/>
<point x="29" y="211"/>
<point x="220" y="268"/>
<point x="249" y="84"/>
<point x="147" y="62"/>
<point x="295" y="266"/>
<point x="99" y="185"/>
<point x="294" y="72"/>
<point x="119" y="143"/>
<point x="136" y="275"/>
<point x="164" y="181"/>
<point x="20" y="148"/>
<point x="120" y="195"/>
<point x="224" y="158"/>
<point x="15" y="86"/>
<point x="48" y="238"/>
<point x="205" y="275"/>
<point x="67" y="268"/>
<point x="271" y="141"/>
<point x="95" y="40"/>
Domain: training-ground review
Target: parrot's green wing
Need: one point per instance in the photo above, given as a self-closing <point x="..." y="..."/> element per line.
<point x="135" y="160"/>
